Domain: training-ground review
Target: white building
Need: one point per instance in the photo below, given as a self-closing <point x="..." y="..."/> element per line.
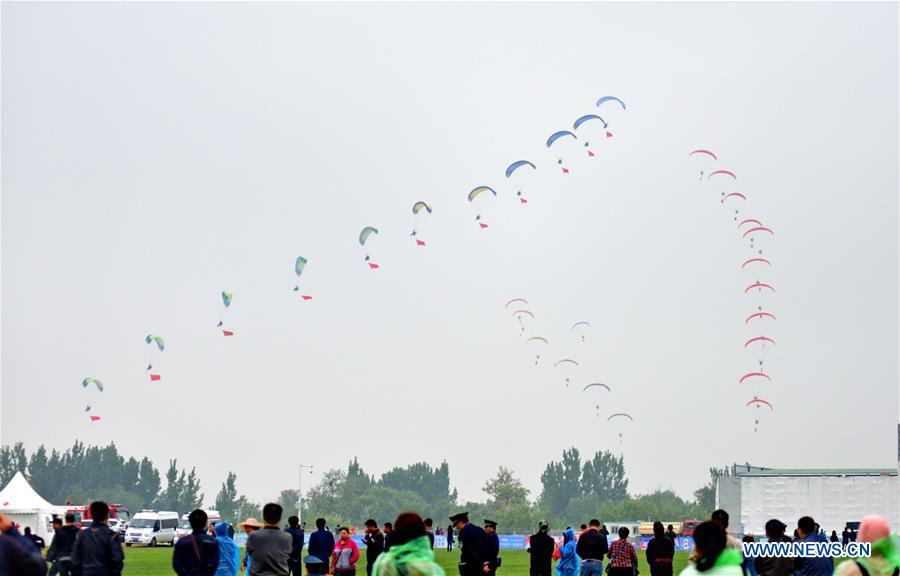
<point x="833" y="497"/>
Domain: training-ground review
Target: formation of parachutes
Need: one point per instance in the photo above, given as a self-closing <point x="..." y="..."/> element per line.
<point x="563" y="144"/>
<point x="758" y="290"/>
<point x="564" y="371"/>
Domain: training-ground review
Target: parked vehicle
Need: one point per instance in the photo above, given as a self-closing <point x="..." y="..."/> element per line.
<point x="151" y="528"/>
<point x="646" y="528"/>
<point x="184" y="527"/>
<point x="687" y="527"/>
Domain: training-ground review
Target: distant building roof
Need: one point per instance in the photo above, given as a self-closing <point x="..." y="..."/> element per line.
<point x="747" y="470"/>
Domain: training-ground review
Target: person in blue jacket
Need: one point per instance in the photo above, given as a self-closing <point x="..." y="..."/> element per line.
<point x="321" y="545"/>
<point x="229" y="555"/>
<point x="569" y="562"/>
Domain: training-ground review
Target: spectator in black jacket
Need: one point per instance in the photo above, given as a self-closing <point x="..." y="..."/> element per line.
<point x="771" y="565"/>
<point x="591" y="548"/>
<point x="660" y="551"/>
<point x="197" y="554"/>
<point x="61" y="547"/>
<point x="298" y="538"/>
<point x="388" y="530"/>
<point x="97" y="550"/>
<point x="38" y="541"/>
<point x="540" y="547"/>
<point x="374" y="544"/>
<point x="670" y="533"/>
<point x="429" y="531"/>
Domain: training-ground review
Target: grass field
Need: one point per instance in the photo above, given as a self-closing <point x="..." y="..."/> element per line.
<point x="153" y="561"/>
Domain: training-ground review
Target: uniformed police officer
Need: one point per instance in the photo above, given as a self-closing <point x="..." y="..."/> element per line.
<point x="472" y="539"/>
<point x="492" y="545"/>
<point x="97" y="550"/>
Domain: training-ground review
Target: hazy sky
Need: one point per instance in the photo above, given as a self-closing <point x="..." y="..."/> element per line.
<point x="157" y="154"/>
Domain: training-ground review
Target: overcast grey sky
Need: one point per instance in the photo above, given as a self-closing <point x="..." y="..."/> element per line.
<point x="157" y="154"/>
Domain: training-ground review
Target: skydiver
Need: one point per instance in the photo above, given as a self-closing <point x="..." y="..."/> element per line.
<point x="413" y="233"/>
<point x="296" y="288"/>
<point x="149" y="366"/>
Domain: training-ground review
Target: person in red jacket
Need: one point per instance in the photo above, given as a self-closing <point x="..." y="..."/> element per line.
<point x="345" y="555"/>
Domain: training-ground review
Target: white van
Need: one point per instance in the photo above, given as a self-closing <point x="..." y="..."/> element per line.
<point x="184" y="526"/>
<point x="152" y="527"/>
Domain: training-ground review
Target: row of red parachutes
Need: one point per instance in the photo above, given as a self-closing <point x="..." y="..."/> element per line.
<point x="758" y="289"/>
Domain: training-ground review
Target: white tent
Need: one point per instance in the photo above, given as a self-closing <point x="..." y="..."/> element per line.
<point x="25" y="507"/>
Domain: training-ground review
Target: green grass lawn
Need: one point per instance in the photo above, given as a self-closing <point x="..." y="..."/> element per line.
<point x="153" y="561"/>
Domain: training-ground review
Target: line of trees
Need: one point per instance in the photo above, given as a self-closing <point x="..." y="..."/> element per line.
<point x="572" y="490"/>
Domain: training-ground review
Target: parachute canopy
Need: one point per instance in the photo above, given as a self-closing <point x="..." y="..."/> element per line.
<point x="365" y="233"/>
<point x="300" y="265"/>
<point x="160" y="343"/>
<point x="586" y="118"/>
<point x="523" y="313"/>
<point x="703" y="151"/>
<point x="749" y="375"/>
<point x="582" y="323"/>
<point x="596" y="385"/>
<point x="88" y="381"/>
<point x="516" y="165"/>
<point x="538" y="339"/>
<point x="226" y="299"/>
<point x="610" y="99"/>
<point x="620" y="415"/>
<point x="522" y="300"/>
<point x="760" y="402"/>
<point x="477" y="191"/>
<point x="419" y="206"/>
<point x="566" y="361"/>
<point x="752" y="260"/>
<point x="725" y="172"/>
<point x="759" y="286"/>
<point x="759" y="315"/>
<point x="750" y="221"/>
<point x="557" y="135"/>
<point x="757" y="229"/>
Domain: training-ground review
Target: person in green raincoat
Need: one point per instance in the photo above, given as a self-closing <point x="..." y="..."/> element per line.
<point x="410" y="553"/>
<point x="713" y="558"/>
<point x="885" y="558"/>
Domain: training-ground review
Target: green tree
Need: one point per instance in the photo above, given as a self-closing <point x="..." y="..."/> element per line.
<point x="148" y="483"/>
<point x="39" y="471"/>
<point x="561" y="481"/>
<point x="508" y="503"/>
<point x="12" y="460"/>
<point x="603" y="477"/>
<point x="287" y="499"/>
<point x="227" y="499"/>
<point x="191" y="497"/>
<point x="705" y="497"/>
<point x="170" y="499"/>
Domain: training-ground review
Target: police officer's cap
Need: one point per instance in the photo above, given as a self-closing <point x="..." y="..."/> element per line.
<point x="461" y="517"/>
<point x="490" y="524"/>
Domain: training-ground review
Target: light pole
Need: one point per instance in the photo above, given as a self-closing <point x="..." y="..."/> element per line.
<point x="300" y="493"/>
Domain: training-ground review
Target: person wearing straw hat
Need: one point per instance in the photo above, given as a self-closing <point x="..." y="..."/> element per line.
<point x="249" y="526"/>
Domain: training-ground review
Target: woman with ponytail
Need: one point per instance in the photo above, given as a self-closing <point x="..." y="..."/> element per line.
<point x="713" y="558"/>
